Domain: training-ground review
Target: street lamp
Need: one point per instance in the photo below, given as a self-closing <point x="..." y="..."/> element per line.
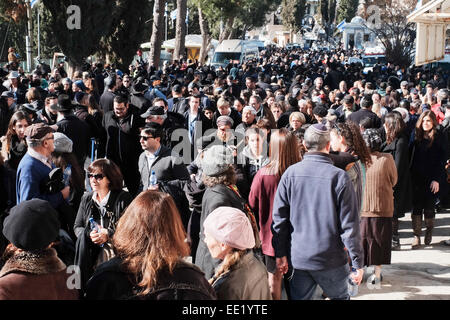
<point x="28" y="36"/>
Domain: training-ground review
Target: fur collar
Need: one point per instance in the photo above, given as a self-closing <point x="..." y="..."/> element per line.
<point x="43" y="262"/>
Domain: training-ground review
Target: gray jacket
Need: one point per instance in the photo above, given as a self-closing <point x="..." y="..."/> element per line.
<point x="168" y="167"/>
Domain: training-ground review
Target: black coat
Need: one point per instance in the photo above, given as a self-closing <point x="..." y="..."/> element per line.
<point x="122" y="144"/>
<point x="403" y="189"/>
<point x="217" y="196"/>
<point x="86" y="251"/>
<point x="139" y="101"/>
<point x="78" y="131"/>
<point x="428" y="164"/>
<point x="111" y="282"/>
<point x="362" y="113"/>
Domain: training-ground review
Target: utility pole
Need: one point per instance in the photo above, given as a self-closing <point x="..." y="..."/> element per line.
<point x="28" y="37"/>
<point x="166" y="15"/>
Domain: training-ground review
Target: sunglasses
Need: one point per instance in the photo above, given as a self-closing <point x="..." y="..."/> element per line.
<point x="145" y="138"/>
<point x="96" y="176"/>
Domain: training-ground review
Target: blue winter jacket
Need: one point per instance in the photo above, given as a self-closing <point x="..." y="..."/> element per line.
<point x="315" y="216"/>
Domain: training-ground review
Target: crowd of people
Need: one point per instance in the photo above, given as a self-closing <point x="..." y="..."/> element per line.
<point x="290" y="170"/>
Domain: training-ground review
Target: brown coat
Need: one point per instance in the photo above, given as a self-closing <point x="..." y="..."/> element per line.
<point x="29" y="276"/>
<point x="248" y="280"/>
<point x="381" y="178"/>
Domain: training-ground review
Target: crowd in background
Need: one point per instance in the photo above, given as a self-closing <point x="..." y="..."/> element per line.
<point x="285" y="171"/>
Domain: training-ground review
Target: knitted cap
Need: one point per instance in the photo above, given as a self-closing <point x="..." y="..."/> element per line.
<point x="230" y="226"/>
<point x="62" y="143"/>
<point x="216" y="160"/>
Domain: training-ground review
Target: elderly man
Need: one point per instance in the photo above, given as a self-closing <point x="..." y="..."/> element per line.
<point x="248" y="119"/>
<point x="315" y="217"/>
<point x="35" y="166"/>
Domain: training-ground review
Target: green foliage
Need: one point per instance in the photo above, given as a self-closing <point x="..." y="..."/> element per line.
<point x="292" y="13"/>
<point x="129" y="31"/>
<point x="246" y="14"/>
<point x="347" y="10"/>
<point x="97" y="18"/>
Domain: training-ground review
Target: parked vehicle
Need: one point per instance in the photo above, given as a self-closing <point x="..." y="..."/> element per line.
<point x="234" y="51"/>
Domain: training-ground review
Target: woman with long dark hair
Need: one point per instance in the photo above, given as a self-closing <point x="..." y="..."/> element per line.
<point x="151" y="247"/>
<point x="428" y="157"/>
<point x="346" y="139"/>
<point x="13" y="143"/>
<point x="396" y="144"/>
<point x="283" y="153"/>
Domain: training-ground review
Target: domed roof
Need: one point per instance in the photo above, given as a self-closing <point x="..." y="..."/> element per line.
<point x="358" y="20"/>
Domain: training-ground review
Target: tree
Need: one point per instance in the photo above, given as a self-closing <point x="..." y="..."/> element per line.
<point x="327" y="14"/>
<point x="180" y="34"/>
<point x="229" y="19"/>
<point x="206" y="37"/>
<point x="347" y="10"/>
<point x="129" y="31"/>
<point x="292" y="12"/>
<point x="393" y="29"/>
<point x="96" y="20"/>
<point x="157" y="33"/>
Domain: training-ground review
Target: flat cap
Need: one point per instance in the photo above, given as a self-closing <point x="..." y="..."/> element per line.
<point x="38" y="130"/>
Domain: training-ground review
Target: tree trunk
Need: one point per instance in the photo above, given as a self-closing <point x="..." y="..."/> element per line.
<point x="227" y="30"/>
<point x="206" y="37"/>
<point x="157" y="33"/>
<point x="180" y="33"/>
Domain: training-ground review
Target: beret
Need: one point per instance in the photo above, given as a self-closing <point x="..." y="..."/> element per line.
<point x="32" y="225"/>
<point x="230" y="226"/>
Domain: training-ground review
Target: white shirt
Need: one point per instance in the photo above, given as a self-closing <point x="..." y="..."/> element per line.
<point x="40" y="157"/>
<point x="101" y="204"/>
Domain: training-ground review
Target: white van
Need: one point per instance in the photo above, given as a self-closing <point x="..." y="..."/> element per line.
<point x="234" y="51"/>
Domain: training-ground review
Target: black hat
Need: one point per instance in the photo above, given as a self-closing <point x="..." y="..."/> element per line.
<point x="153" y="111"/>
<point x="64" y="103"/>
<point x="140" y="87"/>
<point x="32" y="225"/>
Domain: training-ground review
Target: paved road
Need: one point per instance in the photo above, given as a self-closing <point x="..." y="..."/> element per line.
<point x="422" y="274"/>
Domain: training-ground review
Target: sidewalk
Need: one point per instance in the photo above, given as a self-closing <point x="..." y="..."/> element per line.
<point x="422" y="274"/>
